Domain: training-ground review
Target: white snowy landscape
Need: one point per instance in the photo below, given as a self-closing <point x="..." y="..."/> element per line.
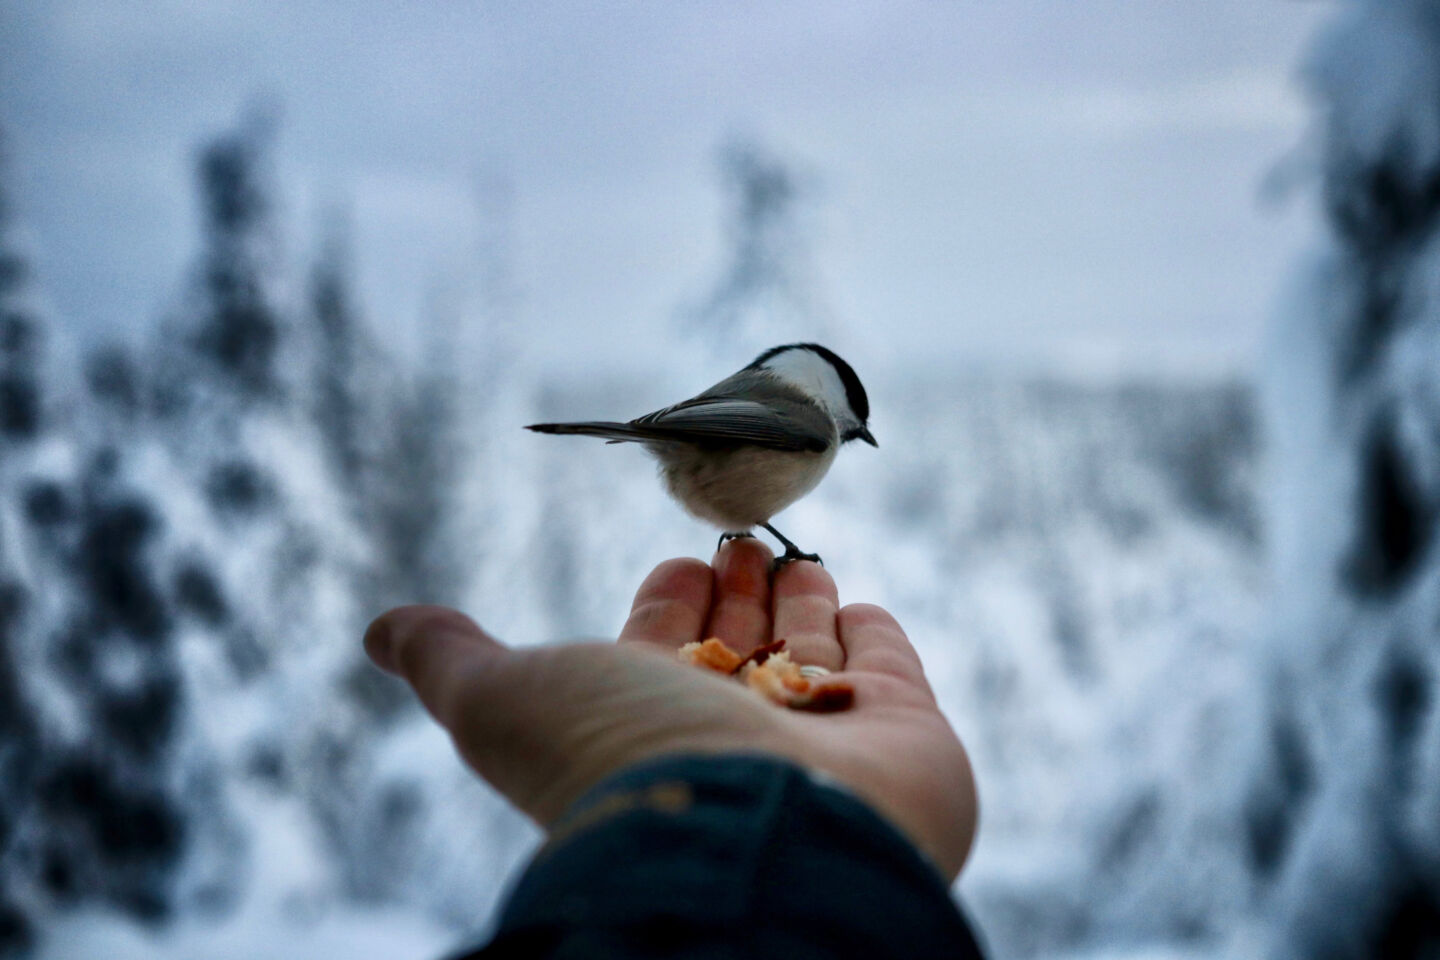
<point x="1186" y="618"/>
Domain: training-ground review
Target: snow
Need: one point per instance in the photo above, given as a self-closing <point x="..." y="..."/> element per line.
<point x="1188" y="643"/>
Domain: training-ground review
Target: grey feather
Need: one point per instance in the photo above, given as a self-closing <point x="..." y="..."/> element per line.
<point x="616" y="432"/>
<point x="772" y="415"/>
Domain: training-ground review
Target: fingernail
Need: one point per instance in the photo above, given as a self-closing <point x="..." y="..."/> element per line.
<point x="378" y="638"/>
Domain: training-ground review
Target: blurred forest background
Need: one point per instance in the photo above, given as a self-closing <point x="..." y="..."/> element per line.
<point x="1188" y="623"/>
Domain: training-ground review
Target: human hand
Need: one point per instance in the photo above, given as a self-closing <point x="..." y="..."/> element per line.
<point x="543" y="725"/>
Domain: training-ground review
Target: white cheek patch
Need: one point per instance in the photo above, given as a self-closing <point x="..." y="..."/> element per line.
<point x="813" y="374"/>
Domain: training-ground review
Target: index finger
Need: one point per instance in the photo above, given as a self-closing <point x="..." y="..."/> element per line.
<point x="671" y="605"/>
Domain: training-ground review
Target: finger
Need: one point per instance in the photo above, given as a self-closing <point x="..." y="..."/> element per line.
<point x="740" y="613"/>
<point x="490" y="699"/>
<point x="671" y="605"/>
<point x="875" y="643"/>
<point x="805" y="606"/>
<point x="436" y="650"/>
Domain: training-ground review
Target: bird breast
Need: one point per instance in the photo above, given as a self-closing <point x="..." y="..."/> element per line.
<point x="737" y="489"/>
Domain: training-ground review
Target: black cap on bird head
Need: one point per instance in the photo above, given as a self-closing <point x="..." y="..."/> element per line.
<point x="856" y="405"/>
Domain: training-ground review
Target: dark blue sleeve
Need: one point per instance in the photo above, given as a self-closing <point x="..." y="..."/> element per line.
<point x="731" y="856"/>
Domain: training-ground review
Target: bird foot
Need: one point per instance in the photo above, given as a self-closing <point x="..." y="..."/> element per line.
<point x="791" y="555"/>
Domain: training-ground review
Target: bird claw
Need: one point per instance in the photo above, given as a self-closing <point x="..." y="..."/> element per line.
<point x="793" y="554"/>
<point x="727" y="537"/>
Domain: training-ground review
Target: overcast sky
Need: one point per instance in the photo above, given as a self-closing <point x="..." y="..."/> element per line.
<point x="1023" y="180"/>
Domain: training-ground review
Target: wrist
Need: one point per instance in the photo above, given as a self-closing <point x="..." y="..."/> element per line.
<point x="936" y="810"/>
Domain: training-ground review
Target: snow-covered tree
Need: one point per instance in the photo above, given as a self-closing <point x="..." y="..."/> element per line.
<point x="21" y="423"/>
<point x="96" y="804"/>
<point x="345" y="360"/>
<point x="1344" y="820"/>
<point x="237" y="331"/>
<point x="765" y="292"/>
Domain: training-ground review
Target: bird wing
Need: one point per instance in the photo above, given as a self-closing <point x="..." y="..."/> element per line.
<point x="777" y="423"/>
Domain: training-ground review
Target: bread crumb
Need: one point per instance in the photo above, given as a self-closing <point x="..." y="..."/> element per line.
<point x="770" y="672"/>
<point x="713" y="654"/>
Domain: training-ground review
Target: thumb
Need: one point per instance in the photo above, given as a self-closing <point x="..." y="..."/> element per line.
<point x="544" y="725"/>
<point x="489" y="699"/>
<point x="438" y="651"/>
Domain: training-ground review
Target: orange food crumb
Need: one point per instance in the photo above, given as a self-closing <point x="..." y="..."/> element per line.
<point x="712" y="654"/>
<point x="770" y="672"/>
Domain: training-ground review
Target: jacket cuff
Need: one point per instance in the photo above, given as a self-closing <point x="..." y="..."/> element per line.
<point x="720" y="844"/>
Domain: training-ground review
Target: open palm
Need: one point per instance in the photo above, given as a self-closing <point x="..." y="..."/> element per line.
<point x="545" y="724"/>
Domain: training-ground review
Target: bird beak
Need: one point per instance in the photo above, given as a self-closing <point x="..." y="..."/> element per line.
<point x="864" y="434"/>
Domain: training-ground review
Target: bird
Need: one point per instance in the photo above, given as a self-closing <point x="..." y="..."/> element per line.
<point x="754" y="443"/>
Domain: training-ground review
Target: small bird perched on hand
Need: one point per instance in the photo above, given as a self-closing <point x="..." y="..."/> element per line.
<point x="754" y="443"/>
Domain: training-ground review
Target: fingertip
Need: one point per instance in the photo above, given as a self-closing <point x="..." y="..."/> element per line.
<point x="743" y="559"/>
<point x="377" y="642"/>
<point x="747" y="547"/>
<point x="671" y="605"/>
<point x="876" y="643"/>
<point x="805" y="577"/>
<point x="678" y="579"/>
<point x="391" y="639"/>
<point x="869" y="615"/>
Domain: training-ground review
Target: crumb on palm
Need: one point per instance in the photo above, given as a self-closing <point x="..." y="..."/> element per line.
<point x="770" y="672"/>
<point x="713" y="654"/>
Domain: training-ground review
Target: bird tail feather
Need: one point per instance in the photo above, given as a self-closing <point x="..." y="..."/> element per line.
<point x="611" y="431"/>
